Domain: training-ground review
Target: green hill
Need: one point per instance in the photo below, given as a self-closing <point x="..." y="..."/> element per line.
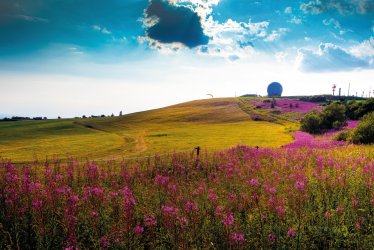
<point x="210" y="124"/>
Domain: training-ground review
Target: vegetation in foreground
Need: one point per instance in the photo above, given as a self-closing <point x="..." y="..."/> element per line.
<point x="242" y="198"/>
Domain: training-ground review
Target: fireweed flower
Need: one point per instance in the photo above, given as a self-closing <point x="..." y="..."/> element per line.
<point x="190" y="206"/>
<point x="138" y="230"/>
<point x="228" y="219"/>
<point x="328" y="215"/>
<point x="218" y="211"/>
<point x="272" y="237"/>
<point x="161" y="180"/>
<point x="150" y="221"/>
<point x="232" y="197"/>
<point x="254" y="183"/>
<point x="237" y="238"/>
<point x="281" y="211"/>
<point x="300" y="186"/>
<point x="339" y="209"/>
<point x="291" y="232"/>
<point x="183" y="222"/>
<point x="212" y="196"/>
<point x="169" y="210"/>
<point x="37" y="204"/>
<point x="128" y="198"/>
<point x="104" y="242"/>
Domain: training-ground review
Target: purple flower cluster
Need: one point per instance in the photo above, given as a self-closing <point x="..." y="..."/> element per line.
<point x="304" y="139"/>
<point x="288" y="105"/>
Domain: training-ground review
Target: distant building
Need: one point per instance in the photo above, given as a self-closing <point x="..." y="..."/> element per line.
<point x="275" y="89"/>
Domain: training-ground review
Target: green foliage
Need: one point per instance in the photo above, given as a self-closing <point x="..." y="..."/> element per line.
<point x="364" y="133"/>
<point x="311" y="122"/>
<point x="333" y="116"/>
<point x="343" y="136"/>
<point x="355" y="110"/>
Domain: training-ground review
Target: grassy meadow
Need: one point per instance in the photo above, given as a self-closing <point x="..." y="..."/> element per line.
<point x="313" y="193"/>
<point x="212" y="124"/>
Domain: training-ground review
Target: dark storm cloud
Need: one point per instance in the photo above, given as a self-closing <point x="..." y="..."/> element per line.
<point x="175" y="24"/>
<point x="342" y="6"/>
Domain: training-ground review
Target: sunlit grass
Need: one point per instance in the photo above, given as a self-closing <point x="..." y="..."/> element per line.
<point x="211" y="124"/>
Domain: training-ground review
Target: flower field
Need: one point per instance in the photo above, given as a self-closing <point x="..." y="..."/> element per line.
<point x="242" y="198"/>
<point x="288" y="105"/>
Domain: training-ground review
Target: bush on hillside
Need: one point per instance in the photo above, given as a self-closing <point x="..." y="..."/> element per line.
<point x="364" y="133"/>
<point x="311" y="122"/>
<point x="355" y="110"/>
<point x="343" y="136"/>
<point x="333" y="116"/>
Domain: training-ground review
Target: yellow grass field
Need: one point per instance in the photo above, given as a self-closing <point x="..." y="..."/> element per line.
<point x="211" y="124"/>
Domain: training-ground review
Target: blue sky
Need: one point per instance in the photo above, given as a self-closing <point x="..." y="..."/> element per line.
<point x="90" y="56"/>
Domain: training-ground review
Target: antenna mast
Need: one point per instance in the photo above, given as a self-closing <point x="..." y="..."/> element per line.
<point x="349" y="87"/>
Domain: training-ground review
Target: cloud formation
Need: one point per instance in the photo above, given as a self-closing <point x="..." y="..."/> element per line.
<point x="344" y="7"/>
<point x="330" y="57"/>
<point x="168" y="23"/>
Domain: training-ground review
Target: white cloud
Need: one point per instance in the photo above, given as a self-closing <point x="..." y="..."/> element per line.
<point x="333" y="22"/>
<point x="364" y="49"/>
<point x="101" y="29"/>
<point x="276" y="34"/>
<point x="296" y="20"/>
<point x="281" y="56"/>
<point x="330" y="57"/>
<point x="233" y="38"/>
<point x="288" y="10"/>
<point x="30" y="18"/>
<point x="344" y="7"/>
<point x="230" y="39"/>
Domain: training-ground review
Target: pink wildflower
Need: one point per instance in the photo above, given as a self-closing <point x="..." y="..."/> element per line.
<point x="254" y="183"/>
<point x="228" y="219"/>
<point x="218" y="211"/>
<point x="272" y="237"/>
<point x="150" y="221"/>
<point x="328" y="215"/>
<point x="300" y="186"/>
<point x="138" y="230"/>
<point x="281" y="211"/>
<point x="212" y="196"/>
<point x="291" y="232"/>
<point x="339" y="209"/>
<point x="190" y="205"/>
<point x="104" y="242"/>
<point x="237" y="238"/>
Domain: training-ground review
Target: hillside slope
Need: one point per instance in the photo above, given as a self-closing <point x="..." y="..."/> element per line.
<point x="211" y="124"/>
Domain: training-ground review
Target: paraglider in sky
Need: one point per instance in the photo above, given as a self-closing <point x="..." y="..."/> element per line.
<point x="210" y="95"/>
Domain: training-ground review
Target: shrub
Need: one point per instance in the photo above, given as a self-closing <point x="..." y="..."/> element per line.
<point x="356" y="110"/>
<point x="343" y="136"/>
<point x="311" y="122"/>
<point x="364" y="133"/>
<point x="333" y="116"/>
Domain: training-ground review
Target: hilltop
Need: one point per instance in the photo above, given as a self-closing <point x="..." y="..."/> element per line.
<point x="211" y="124"/>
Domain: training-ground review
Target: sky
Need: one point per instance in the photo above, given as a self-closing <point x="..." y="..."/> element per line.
<point x="90" y="57"/>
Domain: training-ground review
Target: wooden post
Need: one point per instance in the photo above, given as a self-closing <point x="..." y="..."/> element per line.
<point x="198" y="151"/>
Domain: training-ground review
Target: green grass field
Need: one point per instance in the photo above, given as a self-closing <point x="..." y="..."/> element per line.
<point x="211" y="124"/>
